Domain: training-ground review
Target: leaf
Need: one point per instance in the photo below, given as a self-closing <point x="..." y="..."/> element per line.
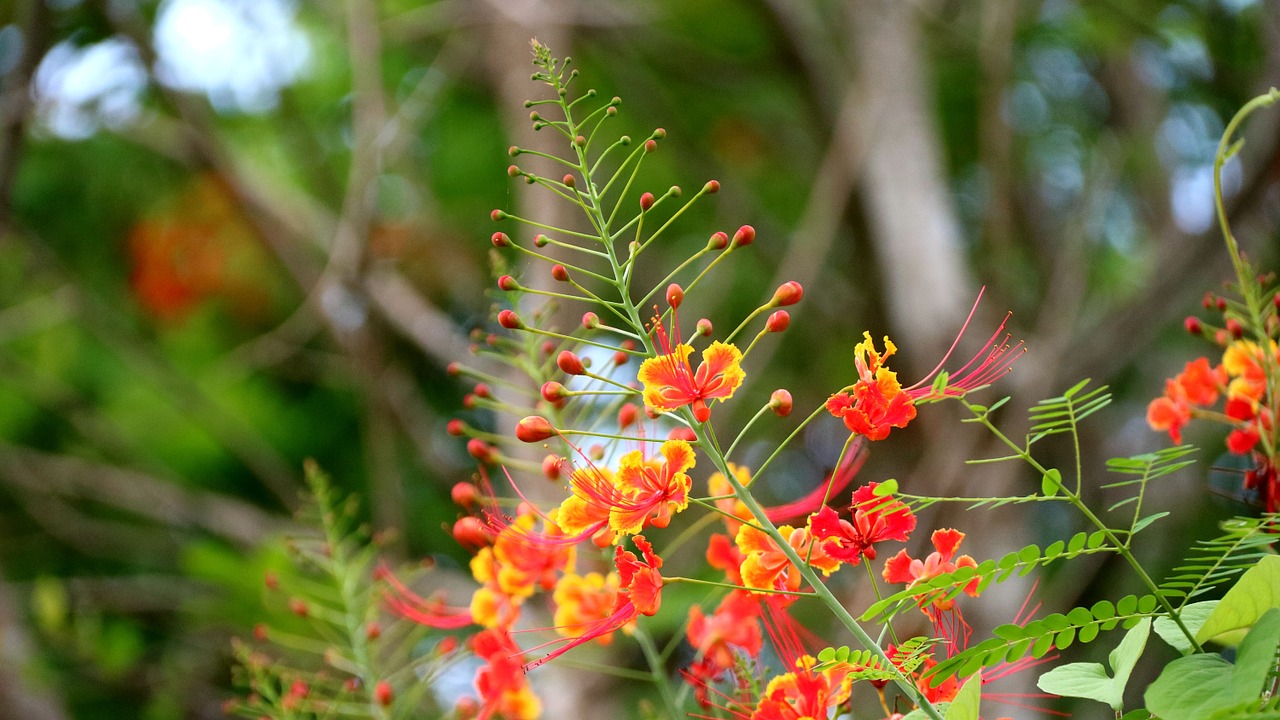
<point x="965" y="704"/>
<point x="1090" y="680"/>
<point x="1138" y="526"/>
<point x="1197" y="686"/>
<point x="1051" y="482"/>
<point x="1193" y="616"/>
<point x="1256" y="592"/>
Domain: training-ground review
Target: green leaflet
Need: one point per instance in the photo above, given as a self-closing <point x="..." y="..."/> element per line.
<point x="1090" y="680"/>
<point x="1254" y="594"/>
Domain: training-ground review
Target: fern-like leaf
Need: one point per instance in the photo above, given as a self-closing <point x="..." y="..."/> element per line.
<point x="1063" y="413"/>
<point x="1212" y="563"/>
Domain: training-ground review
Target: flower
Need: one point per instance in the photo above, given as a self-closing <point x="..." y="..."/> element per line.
<point x="878" y="402"/>
<point x="639" y="592"/>
<point x="875" y="518"/>
<point x="642" y="493"/>
<point x="803" y="694"/>
<point x="582" y="600"/>
<point x="766" y="567"/>
<point x="902" y="568"/>
<point x="670" y="382"/>
<point x="503" y="688"/>
<point x="1197" y="385"/>
<point x="734" y="624"/>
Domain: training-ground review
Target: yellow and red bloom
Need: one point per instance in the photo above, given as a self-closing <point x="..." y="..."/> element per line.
<point x="804" y="694"/>
<point x="734" y="511"/>
<point x="670" y="382"/>
<point x="877" y="402"/>
<point x="504" y="691"/>
<point x="876" y="518"/>
<point x="734" y="625"/>
<point x="766" y="567"/>
<point x="583" y="600"/>
<point x="902" y="568"/>
<point x="643" y="492"/>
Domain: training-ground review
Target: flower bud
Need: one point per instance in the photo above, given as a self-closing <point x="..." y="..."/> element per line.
<point x="646" y="201"/>
<point x="497" y="215"/>
<point x="554" y="392"/>
<point x="456" y="427"/>
<point x="719" y="241"/>
<point x="551" y="467"/>
<point x="271" y="580"/>
<point x="1209" y="301"/>
<point x="513" y="171"/>
<point x="447" y="644"/>
<point x="469" y="401"/>
<point x="1275" y="300"/>
<point x="659" y="133"/>
<point x="590" y="320"/>
<point x="540" y="240"/>
<point x="780" y="403"/>
<point x="298" y="607"/>
<point x="675" y="295"/>
<point x="513" y="150"/>
<point x="1220" y="337"/>
<point x="382" y="693"/>
<point x="464" y="495"/>
<point x="372" y="630"/>
<point x="482" y="390"/>
<point x="745" y="236"/>
<point x="508" y="283"/>
<point x="509" y="320"/>
<point x="534" y="428"/>
<point x="260" y="632"/>
<point x="704" y="328"/>
<point x="1222" y="304"/>
<point x="569" y="182"/>
<point x="650" y="146"/>
<point x="481" y="450"/>
<point x="1235" y="328"/>
<point x="471" y="533"/>
<point x="580" y="141"/>
<point x="559" y="273"/>
<point x="780" y="320"/>
<point x="454" y="369"/>
<point x="570" y="363"/>
<point x="683" y="433"/>
<point x="501" y="240"/>
<point x="627" y="414"/>
<point x="596" y="452"/>
<point x="1192" y="324"/>
<point x="788" y="293"/>
<point x="547" y="347"/>
<point x="620" y="358"/>
<point x="712" y="187"/>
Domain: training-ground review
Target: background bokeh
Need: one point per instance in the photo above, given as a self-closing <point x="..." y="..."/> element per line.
<point x="235" y="234"/>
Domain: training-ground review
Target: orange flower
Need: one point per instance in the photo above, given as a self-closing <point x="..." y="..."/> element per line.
<point x="735" y="511"/>
<point x="878" y="402"/>
<point x="875" y="519"/>
<point x="670" y="382"/>
<point x="582" y="600"/>
<point x="734" y="624"/>
<point x="503" y="688"/>
<point x="642" y="493"/>
<point x="765" y="567"/>
<point x="901" y="568"/>
<point x="803" y="694"/>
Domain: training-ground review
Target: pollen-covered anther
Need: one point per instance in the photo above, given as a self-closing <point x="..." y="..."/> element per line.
<point x="646" y="200"/>
<point x="780" y="320"/>
<point x="510" y="320"/>
<point x="744" y="236"/>
<point x="554" y="392"/>
<point x="719" y="240"/>
<point x="590" y="320"/>
<point x="1193" y="326"/>
<point x="1235" y="328"/>
<point x="534" y="428"/>
<point x="675" y="295"/>
<point x="788" y="293"/>
<point x="464" y="494"/>
<point x="560" y="273"/>
<point x="703" y="328"/>
<point x="508" y="283"/>
<point x="500" y="239"/>
<point x="780" y="402"/>
<point x="570" y="363"/>
<point x="712" y="187"/>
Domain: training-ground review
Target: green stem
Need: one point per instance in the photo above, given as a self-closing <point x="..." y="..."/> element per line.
<point x="657" y="672"/>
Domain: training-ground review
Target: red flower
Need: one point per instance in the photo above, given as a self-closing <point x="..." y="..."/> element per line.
<point x="735" y="624"/>
<point x="878" y="401"/>
<point x="670" y="382"/>
<point x="502" y="686"/>
<point x="875" y="519"/>
<point x="642" y="492"/>
<point x="803" y="694"/>
<point x="902" y="568"/>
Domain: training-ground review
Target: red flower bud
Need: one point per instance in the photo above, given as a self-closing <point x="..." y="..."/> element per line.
<point x="646" y="201"/>
<point x="1235" y="328"/>
<point x="650" y="146"/>
<point x="534" y="428"/>
<point x="471" y="533"/>
<point x="260" y="632"/>
<point x="745" y="236"/>
<point x="1209" y="301"/>
<point x="627" y="414"/>
<point x="551" y="467"/>
<point x="1222" y="304"/>
<point x="540" y="240"/>
<point x="456" y="427"/>
<point x="382" y="693"/>
<point x="469" y="401"/>
<point x="712" y="187"/>
<point x="497" y="215"/>
<point x="509" y="320"/>
<point x="454" y="369"/>
<point x="675" y="295"/>
<point x="554" y="392"/>
<point x="271" y="580"/>
<point x="590" y="320"/>
<point x="620" y="358"/>
<point x="464" y="494"/>
<point x="718" y="241"/>
<point x="570" y="363"/>
<point x="1192" y="324"/>
<point x="513" y="150"/>
<point x="683" y="433"/>
<point x="788" y="293"/>
<point x="596" y="452"/>
<point x="513" y="171"/>
<point x="1275" y="300"/>
<point x="508" y="283"/>
<point x="569" y="182"/>
<point x="780" y="320"/>
<point x="659" y="133"/>
<point x="482" y="390"/>
<point x="372" y="630"/>
<point x="298" y="607"/>
<point x="580" y="141"/>
<point x="501" y="240"/>
<point x="547" y="347"/>
<point x="480" y="450"/>
<point x="780" y="403"/>
<point x="560" y="273"/>
<point x="704" y="328"/>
